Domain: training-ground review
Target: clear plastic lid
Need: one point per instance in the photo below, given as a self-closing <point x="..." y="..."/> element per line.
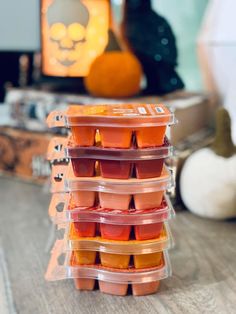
<point x="118" y="115"/>
<point x="134" y="247"/>
<point x="64" y="180"/>
<point x="63" y="210"/>
<point x="59" y="268"/>
<point x="61" y="148"/>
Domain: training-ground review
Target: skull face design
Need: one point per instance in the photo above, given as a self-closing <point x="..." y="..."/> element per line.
<point x="68" y="20"/>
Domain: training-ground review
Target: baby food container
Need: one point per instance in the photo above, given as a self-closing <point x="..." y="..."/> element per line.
<point x="108" y="184"/>
<point x="112" y="163"/>
<point x="140" y="275"/>
<point x="110" y="224"/>
<point x="111" y="193"/>
<point x="116" y="124"/>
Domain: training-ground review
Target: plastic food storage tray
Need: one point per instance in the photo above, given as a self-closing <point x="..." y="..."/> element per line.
<point x="113" y="281"/>
<point x="62" y="210"/>
<point x="74" y="242"/>
<point x="60" y="268"/>
<point x="64" y="180"/>
<point x="112" y="193"/>
<point x="117" y="124"/>
<point x="60" y="148"/>
<point x="112" y="163"/>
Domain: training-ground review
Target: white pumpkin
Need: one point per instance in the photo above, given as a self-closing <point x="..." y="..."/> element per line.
<point x="208" y="180"/>
<point x="208" y="184"/>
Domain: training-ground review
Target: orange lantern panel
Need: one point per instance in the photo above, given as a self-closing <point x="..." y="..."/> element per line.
<point x="74" y="33"/>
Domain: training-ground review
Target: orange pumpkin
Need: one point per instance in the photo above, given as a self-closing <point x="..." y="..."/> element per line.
<point x="114" y="74"/>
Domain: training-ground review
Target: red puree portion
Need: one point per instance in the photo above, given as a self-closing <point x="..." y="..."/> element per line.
<point x="149" y="168"/>
<point x="147" y="232"/>
<point x="83" y="167"/>
<point x="85" y="229"/>
<point x="113" y="232"/>
<point x="115" y="169"/>
<point x="118" y="232"/>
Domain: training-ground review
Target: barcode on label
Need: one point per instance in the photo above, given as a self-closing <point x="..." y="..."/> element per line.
<point x="142" y="110"/>
<point x="159" y="110"/>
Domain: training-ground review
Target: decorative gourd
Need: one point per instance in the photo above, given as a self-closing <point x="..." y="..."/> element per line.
<point x="114" y="74"/>
<point x="208" y="177"/>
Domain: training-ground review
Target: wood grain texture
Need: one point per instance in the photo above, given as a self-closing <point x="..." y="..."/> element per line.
<point x="203" y="260"/>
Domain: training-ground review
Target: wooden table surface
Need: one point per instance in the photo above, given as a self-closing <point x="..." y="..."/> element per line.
<point x="203" y="260"/>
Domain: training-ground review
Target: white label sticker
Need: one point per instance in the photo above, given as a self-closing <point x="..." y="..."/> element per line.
<point x="142" y="110"/>
<point x="159" y="110"/>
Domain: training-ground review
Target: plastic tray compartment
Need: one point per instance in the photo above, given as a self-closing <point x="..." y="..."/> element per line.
<point x="117" y="232"/>
<point x="131" y="247"/>
<point x="113" y="163"/>
<point x="112" y="224"/>
<point x="112" y="193"/>
<point x="117" y="261"/>
<point x="111" y="281"/>
<point x="117" y="124"/>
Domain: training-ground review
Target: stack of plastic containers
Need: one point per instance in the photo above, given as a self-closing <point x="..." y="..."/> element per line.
<point x="110" y="197"/>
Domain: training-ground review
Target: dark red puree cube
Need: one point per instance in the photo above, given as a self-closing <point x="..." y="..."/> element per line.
<point x="149" y="168"/>
<point x="83" y="167"/>
<point x="115" y="169"/>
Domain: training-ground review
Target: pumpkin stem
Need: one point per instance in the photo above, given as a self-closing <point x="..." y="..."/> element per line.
<point x="114" y="43"/>
<point x="223" y="144"/>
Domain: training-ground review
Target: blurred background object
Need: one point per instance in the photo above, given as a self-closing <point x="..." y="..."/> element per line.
<point x="217" y="54"/>
<point x="185" y="18"/>
<point x="126" y="82"/>
<point x="19" y="30"/>
<point x="150" y="37"/>
<point x="73" y="34"/>
<point x="23" y="154"/>
<point x="164" y="28"/>
<point x="19" y="39"/>
<point x="208" y="177"/>
<point x="27" y="39"/>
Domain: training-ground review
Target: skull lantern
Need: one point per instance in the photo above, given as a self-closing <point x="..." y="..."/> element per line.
<point x="74" y="33"/>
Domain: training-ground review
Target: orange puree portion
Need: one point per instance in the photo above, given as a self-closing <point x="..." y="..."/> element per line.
<point x="114" y="260"/>
<point x="113" y="288"/>
<point x="83" y="198"/>
<point x="84" y="257"/>
<point x="147" y="260"/>
<point x="83" y="136"/>
<point x="115" y="137"/>
<point x="84" y="284"/>
<point x="148" y="200"/>
<point x="150" y="137"/>
<point x="139" y="289"/>
<point x="114" y="201"/>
